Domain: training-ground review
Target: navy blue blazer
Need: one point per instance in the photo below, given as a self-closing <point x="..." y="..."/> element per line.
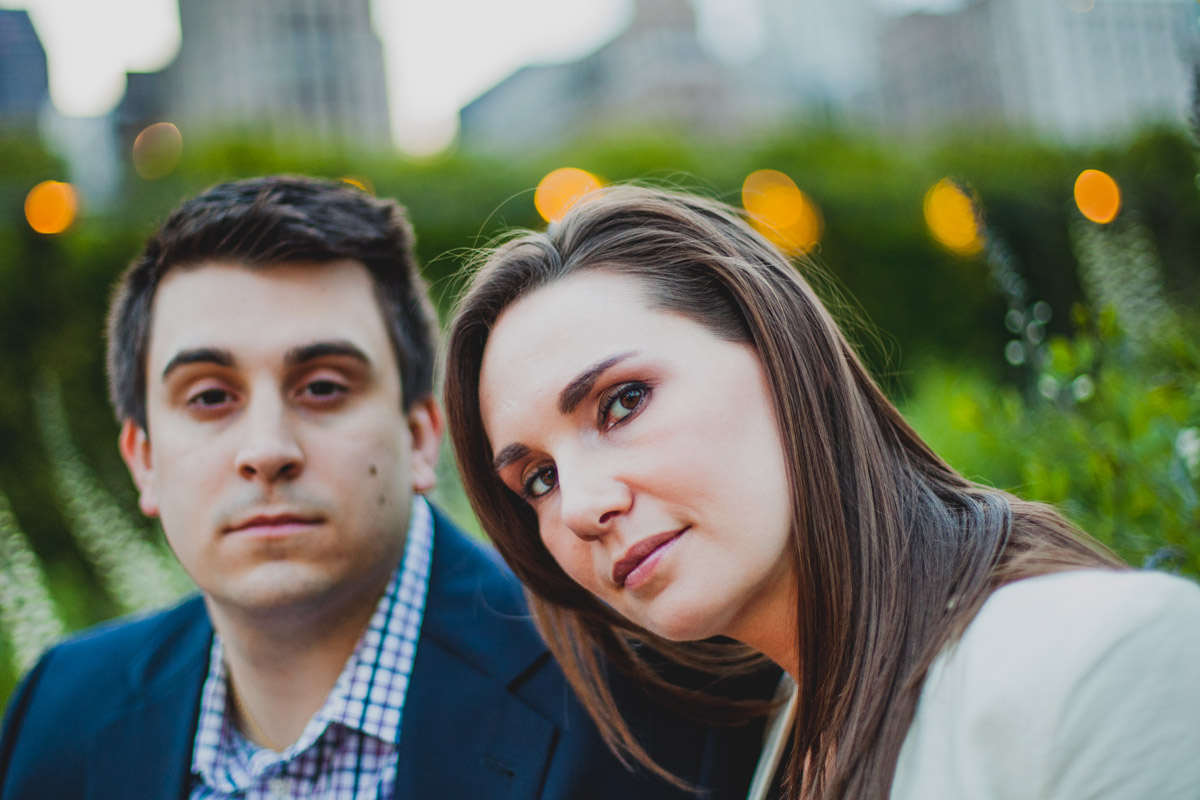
<point x="112" y="713"/>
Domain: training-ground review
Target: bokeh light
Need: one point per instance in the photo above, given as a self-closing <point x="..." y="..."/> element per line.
<point x="1097" y="196"/>
<point x="781" y="212"/>
<point x="51" y="206"/>
<point x="952" y="218"/>
<point x="1079" y="6"/>
<point x="156" y="150"/>
<point x="561" y="189"/>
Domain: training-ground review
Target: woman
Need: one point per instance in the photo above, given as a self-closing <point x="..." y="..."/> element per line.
<point x="672" y="444"/>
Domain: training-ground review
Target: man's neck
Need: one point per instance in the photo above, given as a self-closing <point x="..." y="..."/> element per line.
<point x="283" y="664"/>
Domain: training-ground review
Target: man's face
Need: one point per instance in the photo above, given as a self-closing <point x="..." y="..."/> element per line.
<point x="279" y="457"/>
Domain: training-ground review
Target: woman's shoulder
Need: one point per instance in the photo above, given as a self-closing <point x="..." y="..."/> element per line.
<point x="1081" y="611"/>
<point x="1062" y="685"/>
<point x="1126" y="593"/>
<point x="1038" y="636"/>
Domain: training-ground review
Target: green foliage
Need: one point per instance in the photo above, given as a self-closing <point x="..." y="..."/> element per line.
<point x="1104" y="421"/>
<point x="1109" y="432"/>
<point x="26" y="608"/>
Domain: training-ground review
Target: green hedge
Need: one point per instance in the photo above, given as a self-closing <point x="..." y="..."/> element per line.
<point x="1102" y="421"/>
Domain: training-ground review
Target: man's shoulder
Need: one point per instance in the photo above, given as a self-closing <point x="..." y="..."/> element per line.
<point x="128" y="634"/>
<point x="130" y="654"/>
<point x="92" y="695"/>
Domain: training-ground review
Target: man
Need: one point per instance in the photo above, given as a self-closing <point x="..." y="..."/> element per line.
<point x="270" y="359"/>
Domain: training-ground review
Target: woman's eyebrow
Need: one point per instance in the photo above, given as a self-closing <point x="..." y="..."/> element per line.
<point x="514" y="452"/>
<point x="574" y="392"/>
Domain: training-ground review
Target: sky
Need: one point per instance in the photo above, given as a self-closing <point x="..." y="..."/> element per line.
<point x="440" y="54"/>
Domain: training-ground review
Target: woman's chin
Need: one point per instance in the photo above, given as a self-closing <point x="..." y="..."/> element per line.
<point x="682" y="625"/>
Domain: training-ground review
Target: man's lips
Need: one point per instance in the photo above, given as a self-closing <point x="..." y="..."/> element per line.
<point x="641" y="551"/>
<point x="278" y="522"/>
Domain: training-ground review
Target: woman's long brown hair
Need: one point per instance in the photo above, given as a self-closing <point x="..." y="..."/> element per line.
<point x="894" y="552"/>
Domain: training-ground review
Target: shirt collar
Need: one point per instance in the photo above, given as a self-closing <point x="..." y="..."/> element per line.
<point x="368" y="695"/>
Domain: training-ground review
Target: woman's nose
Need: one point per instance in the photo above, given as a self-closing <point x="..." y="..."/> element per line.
<point x="593" y="498"/>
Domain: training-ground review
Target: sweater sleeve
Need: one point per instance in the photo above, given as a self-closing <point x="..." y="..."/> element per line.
<point x="1078" y="685"/>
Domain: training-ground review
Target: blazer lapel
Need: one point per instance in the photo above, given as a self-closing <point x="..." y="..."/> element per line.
<point x="464" y="733"/>
<point x="464" y="736"/>
<point x="145" y="750"/>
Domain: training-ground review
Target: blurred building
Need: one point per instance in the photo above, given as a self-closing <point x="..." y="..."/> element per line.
<point x="823" y="55"/>
<point x="656" y="74"/>
<point x="307" y="71"/>
<point x="24" y="82"/>
<point x="1073" y="70"/>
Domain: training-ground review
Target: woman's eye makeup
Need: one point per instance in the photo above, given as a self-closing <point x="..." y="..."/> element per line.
<point x="539" y="482"/>
<point x="618" y="404"/>
<point x="622" y="402"/>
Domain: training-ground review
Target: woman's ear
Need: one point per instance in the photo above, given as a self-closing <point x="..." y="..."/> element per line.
<point x="425" y="426"/>
<point x="134" y="444"/>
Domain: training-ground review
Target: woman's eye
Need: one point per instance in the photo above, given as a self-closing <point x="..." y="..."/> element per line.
<point x="539" y="482"/>
<point x="623" y="403"/>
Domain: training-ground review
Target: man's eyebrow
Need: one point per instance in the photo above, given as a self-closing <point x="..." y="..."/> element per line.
<point x="514" y="452"/>
<point x="198" y="355"/>
<point x="571" y="396"/>
<point x="310" y="352"/>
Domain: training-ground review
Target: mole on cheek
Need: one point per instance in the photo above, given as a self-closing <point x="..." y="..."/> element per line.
<point x="382" y="499"/>
<point x="372" y="470"/>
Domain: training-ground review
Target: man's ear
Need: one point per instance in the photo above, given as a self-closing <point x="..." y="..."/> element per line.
<point x="135" y="450"/>
<point x="425" y="425"/>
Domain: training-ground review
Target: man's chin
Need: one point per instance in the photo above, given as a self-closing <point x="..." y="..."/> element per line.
<point x="275" y="588"/>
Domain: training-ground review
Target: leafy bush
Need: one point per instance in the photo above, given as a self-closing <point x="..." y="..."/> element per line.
<point x="1106" y="425"/>
<point x="1100" y="415"/>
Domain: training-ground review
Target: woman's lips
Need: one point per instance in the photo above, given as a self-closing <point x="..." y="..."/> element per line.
<point x="639" y="560"/>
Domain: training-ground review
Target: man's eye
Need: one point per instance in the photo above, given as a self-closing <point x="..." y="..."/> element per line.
<point x="625" y="401"/>
<point x="209" y="398"/>
<point x="324" y="390"/>
<point x="539" y="482"/>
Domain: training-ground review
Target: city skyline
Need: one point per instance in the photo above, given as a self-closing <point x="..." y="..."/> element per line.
<point x="438" y="56"/>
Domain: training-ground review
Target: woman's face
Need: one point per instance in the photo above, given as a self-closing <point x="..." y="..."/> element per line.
<point x="649" y="450"/>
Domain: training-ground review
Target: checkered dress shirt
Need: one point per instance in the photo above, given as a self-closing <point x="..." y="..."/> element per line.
<point x="349" y="749"/>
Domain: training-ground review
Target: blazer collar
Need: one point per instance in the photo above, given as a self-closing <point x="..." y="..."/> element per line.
<point x="466" y="732"/>
<point x="146" y="749"/>
<point x="476" y="645"/>
<point x="476" y="608"/>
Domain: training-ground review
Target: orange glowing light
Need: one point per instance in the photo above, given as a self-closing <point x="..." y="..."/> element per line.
<point x="952" y="219"/>
<point x="1098" y="196"/>
<point x="560" y="190"/>
<point x="781" y="212"/>
<point x="51" y="206"/>
<point x="156" y="150"/>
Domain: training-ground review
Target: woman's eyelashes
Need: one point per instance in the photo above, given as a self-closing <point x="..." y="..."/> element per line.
<point x="539" y="482"/>
<point x="621" y="403"/>
<point x="617" y="406"/>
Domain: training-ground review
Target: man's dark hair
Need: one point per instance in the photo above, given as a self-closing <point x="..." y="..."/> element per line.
<point x="271" y="220"/>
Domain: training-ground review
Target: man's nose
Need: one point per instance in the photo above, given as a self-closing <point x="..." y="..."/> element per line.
<point x="593" y="497"/>
<point x="269" y="449"/>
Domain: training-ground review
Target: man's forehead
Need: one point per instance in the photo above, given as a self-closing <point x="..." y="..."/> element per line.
<point x="269" y="310"/>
